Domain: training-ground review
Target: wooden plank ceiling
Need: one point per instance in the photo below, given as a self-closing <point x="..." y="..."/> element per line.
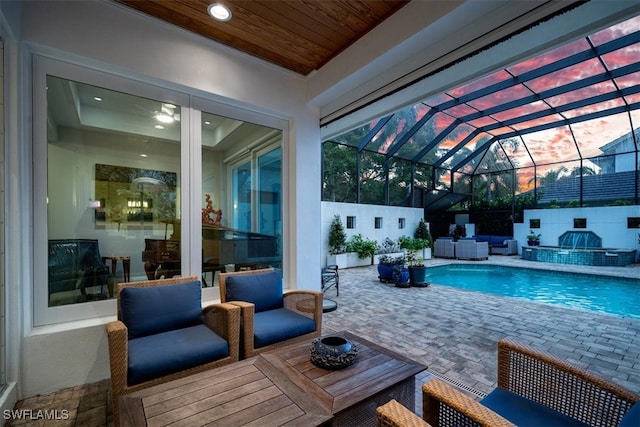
<point x="300" y="35"/>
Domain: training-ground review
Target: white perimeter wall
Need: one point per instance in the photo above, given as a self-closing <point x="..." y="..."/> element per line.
<point x="609" y="222"/>
<point x="110" y="37"/>
<point x="365" y="221"/>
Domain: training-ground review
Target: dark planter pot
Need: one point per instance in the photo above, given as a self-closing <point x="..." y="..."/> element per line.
<point x="418" y="276"/>
<point x="533" y="242"/>
<point x="385" y="273"/>
<point x="401" y="277"/>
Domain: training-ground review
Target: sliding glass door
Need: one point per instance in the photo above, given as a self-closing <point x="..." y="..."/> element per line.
<point x="241" y="221"/>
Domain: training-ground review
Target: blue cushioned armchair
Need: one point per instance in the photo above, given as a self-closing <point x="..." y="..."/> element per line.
<point x="270" y="317"/>
<point x="534" y="389"/>
<point x="163" y="333"/>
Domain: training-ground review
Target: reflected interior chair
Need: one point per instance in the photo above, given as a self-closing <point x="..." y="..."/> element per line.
<point x="270" y="317"/>
<point x="163" y="333"/>
<point x="330" y="278"/>
<point x="534" y="389"/>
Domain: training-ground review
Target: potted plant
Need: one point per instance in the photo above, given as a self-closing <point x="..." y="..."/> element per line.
<point x="363" y="248"/>
<point x="417" y="269"/>
<point x="458" y="231"/>
<point x="337" y="244"/>
<point x="533" y="239"/>
<point x="401" y="276"/>
<point x="385" y="266"/>
<point x="422" y="232"/>
<point x="387" y="247"/>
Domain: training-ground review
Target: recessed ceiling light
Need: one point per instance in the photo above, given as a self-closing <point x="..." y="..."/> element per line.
<point x="143" y="155"/>
<point x="97" y="98"/>
<point x="207" y="122"/>
<point x="159" y="127"/>
<point x="219" y="12"/>
<point x="164" y="118"/>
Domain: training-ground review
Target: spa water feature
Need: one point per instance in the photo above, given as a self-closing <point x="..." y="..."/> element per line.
<point x="580" y="248"/>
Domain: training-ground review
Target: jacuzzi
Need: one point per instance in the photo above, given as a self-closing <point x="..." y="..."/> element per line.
<point x="579" y="248"/>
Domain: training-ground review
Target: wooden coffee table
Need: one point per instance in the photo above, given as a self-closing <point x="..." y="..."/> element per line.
<point x="351" y="394"/>
<point x="249" y="392"/>
<point x="280" y="387"/>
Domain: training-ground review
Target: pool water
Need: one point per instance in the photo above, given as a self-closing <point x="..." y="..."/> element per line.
<point x="602" y="294"/>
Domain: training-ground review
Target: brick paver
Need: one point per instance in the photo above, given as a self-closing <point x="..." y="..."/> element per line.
<point x="454" y="331"/>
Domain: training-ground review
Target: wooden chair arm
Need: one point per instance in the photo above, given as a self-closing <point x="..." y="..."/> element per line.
<point x="117" y="336"/>
<point x="443" y="405"/>
<point x="559" y="385"/>
<point x="224" y="320"/>
<point x="394" y="414"/>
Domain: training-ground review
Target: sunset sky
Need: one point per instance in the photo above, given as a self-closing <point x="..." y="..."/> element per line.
<point x="559" y="144"/>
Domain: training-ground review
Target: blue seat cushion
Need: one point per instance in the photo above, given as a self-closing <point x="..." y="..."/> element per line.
<point x="525" y="412"/>
<point x="264" y="290"/>
<point x="152" y="309"/>
<point x="278" y="325"/>
<point x="155" y="356"/>
<point x="632" y="417"/>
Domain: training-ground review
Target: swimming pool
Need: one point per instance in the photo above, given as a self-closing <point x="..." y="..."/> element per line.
<point x="602" y="294"/>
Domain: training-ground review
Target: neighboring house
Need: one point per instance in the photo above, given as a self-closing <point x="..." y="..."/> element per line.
<point x="618" y="155"/>
<point x="614" y="181"/>
<point x="605" y="189"/>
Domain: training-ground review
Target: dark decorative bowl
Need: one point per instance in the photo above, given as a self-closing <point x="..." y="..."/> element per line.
<point x="333" y="352"/>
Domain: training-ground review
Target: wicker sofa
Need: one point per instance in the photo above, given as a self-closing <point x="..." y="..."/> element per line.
<point x="534" y="389"/>
<point x="499" y="245"/>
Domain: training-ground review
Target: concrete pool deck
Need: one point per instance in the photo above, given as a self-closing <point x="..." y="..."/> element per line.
<point x="454" y="331"/>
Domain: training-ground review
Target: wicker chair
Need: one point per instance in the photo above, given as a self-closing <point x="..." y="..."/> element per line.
<point x="470" y="249"/>
<point x="444" y="247"/>
<point x="305" y="303"/>
<point x="546" y="383"/>
<point x="222" y="319"/>
<point x="393" y="414"/>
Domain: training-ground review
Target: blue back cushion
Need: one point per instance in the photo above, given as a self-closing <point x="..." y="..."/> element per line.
<point x="154" y="309"/>
<point x="262" y="289"/>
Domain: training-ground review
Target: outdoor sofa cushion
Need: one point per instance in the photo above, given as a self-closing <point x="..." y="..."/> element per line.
<point x="524" y="412"/>
<point x="154" y="356"/>
<point x="155" y="309"/>
<point x="264" y="290"/>
<point x="278" y="325"/>
<point x="495" y="241"/>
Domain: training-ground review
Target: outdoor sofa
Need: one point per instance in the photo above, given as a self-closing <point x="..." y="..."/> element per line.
<point x="534" y="388"/>
<point x="499" y="245"/>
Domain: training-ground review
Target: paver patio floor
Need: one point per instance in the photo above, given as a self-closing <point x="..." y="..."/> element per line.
<point x="455" y="332"/>
<point x="452" y="331"/>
